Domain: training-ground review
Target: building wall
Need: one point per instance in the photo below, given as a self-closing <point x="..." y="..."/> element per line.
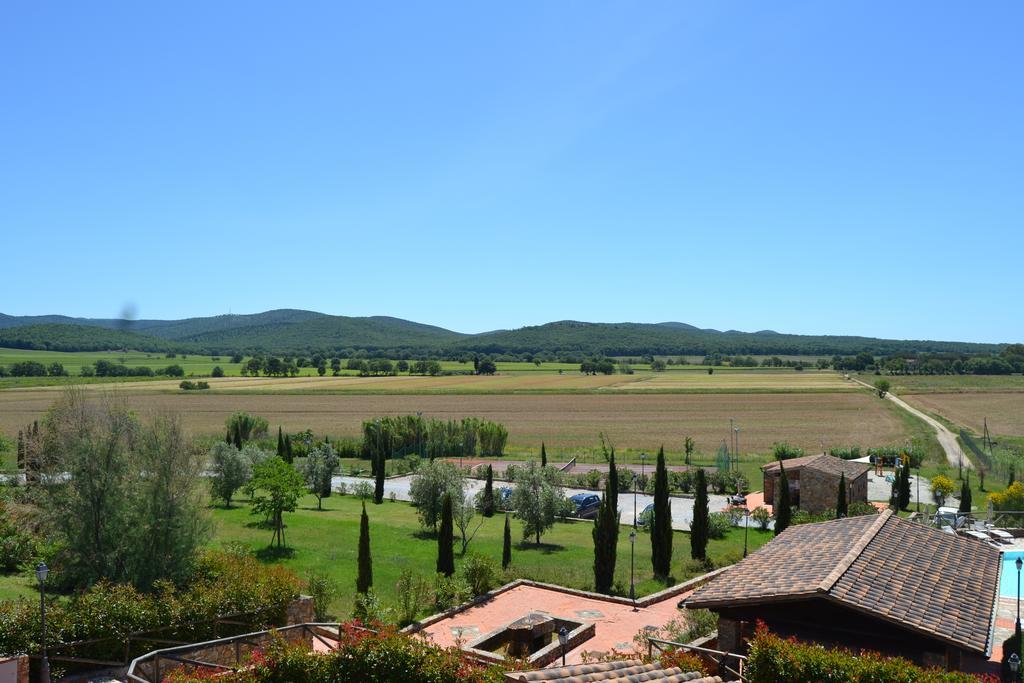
<point x="820" y="490"/>
<point x="771" y="480"/>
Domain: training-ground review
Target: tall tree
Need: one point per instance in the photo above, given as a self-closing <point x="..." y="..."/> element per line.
<point x="842" y="509"/>
<point x="783" y="508"/>
<point x="699" y="526"/>
<point x="965" y="497"/>
<point x="378" y="489"/>
<point x="229" y="471"/>
<point x="280" y="486"/>
<point x="281" y="452"/>
<point x="445" y="539"/>
<point x="613" y="477"/>
<point x="318" y="471"/>
<point x="688" y="445"/>
<point x="904" y="487"/>
<point x="606" y="541"/>
<point x="487" y="497"/>
<point x="661" y="525"/>
<point x="506" y="549"/>
<point x="364" y="577"/>
<point x="543" y="455"/>
<point x="290" y="457"/>
<point x="536" y="499"/>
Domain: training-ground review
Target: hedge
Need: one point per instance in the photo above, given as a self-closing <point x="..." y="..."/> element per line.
<point x="362" y="656"/>
<point x="776" y="660"/>
<point x="223" y="583"/>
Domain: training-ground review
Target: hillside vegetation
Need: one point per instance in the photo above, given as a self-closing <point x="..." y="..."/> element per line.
<point x="289" y="331"/>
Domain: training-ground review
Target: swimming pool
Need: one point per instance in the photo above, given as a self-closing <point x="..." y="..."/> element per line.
<point x="1008" y="577"/>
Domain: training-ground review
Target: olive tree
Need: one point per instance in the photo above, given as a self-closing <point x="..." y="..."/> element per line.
<point x="321" y="462"/>
<point x="537" y="499"/>
<point x="432" y="481"/>
<point x="230" y="470"/>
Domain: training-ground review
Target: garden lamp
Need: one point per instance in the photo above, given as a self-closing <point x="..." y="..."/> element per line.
<point x="42" y="571"/>
<point x="632" y="555"/>
<point x="563" y="640"/>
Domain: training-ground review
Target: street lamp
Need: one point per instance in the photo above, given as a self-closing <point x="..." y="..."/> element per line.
<point x="918" y="487"/>
<point x="1014" y="662"/>
<point x="563" y="640"/>
<point x="632" y="556"/>
<point x="737" y="457"/>
<point x="41" y="573"/>
<point x="746" y="525"/>
<point x="1019" y="563"/>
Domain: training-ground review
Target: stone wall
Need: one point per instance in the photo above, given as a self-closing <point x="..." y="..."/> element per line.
<point x="14" y="670"/>
<point x="300" y="611"/>
<point x="819" y="491"/>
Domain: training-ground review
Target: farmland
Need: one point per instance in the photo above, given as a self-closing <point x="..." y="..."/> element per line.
<point x="1004" y="411"/>
<point x="942" y="384"/>
<point x="563" y="421"/>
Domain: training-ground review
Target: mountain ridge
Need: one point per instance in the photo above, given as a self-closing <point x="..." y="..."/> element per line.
<point x="298" y="331"/>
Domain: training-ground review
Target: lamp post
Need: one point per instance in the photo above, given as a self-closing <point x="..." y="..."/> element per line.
<point x="632" y="556"/>
<point x="41" y="573"/>
<point x="563" y="640"/>
<point x="1014" y="662"/>
<point x="737" y="458"/>
<point x="918" y="487"/>
<point x="1019" y="563"/>
<point x="746" y="525"/>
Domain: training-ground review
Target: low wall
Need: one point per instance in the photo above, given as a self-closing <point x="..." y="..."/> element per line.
<point x="14" y="670"/>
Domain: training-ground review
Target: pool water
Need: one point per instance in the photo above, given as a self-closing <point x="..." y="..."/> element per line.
<point x="1008" y="577"/>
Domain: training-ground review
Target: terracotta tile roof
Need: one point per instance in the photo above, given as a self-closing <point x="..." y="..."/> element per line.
<point x="822" y="462"/>
<point x="628" y="671"/>
<point x="938" y="584"/>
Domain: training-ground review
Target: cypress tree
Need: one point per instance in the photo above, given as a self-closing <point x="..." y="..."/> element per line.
<point x="506" y="550"/>
<point x="446" y="539"/>
<point x="613" y="477"/>
<point x="281" y="453"/>
<point x="903" y="492"/>
<point x="364" y="579"/>
<point x="543" y="455"/>
<point x="288" y="448"/>
<point x="699" y="526"/>
<point x="661" y="525"/>
<point x="842" y="509"/>
<point x="783" y="509"/>
<point x="487" y="499"/>
<point x="606" y="540"/>
<point x="965" y="497"/>
<point x="238" y="437"/>
<point x="378" y="491"/>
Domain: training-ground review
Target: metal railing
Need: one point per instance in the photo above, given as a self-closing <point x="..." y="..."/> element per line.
<point x="722" y="659"/>
<point x="151" y="667"/>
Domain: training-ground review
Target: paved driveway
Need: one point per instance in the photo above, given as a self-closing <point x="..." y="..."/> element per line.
<point x="682" y="508"/>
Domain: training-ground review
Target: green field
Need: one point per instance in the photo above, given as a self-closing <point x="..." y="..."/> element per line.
<point x="943" y="384"/>
<point x="326" y="541"/>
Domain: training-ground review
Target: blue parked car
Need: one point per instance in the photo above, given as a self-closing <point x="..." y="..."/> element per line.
<point x="504" y="498"/>
<point x="646" y="515"/>
<point x="585" y="505"/>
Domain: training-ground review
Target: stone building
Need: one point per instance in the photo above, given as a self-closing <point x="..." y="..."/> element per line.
<point x="814" y="481"/>
<point x="873" y="582"/>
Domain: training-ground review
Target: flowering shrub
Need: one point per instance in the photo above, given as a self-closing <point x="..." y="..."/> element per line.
<point x="223" y="583"/>
<point x="361" y="656"/>
<point x="1010" y="499"/>
<point x="776" y="660"/>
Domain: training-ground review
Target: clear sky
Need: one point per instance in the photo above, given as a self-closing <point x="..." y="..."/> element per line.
<point x="810" y="167"/>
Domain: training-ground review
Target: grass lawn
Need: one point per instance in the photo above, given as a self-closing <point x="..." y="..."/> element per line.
<point x="326" y="541"/>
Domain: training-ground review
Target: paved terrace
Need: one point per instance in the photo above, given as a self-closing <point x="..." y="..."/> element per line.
<point x="615" y="622"/>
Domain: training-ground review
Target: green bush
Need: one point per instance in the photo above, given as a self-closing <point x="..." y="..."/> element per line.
<point x="224" y="582"/>
<point x="480" y="573"/>
<point x="414" y="595"/>
<point x="17" y="547"/>
<point x="719" y="524"/>
<point x="361" y="656"/>
<point x="450" y="591"/>
<point x="774" y="660"/>
<point x="323" y="589"/>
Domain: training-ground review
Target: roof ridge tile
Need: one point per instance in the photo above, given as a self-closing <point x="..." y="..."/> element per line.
<point x="854" y="552"/>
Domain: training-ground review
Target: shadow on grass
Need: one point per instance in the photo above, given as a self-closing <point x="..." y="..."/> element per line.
<point x="272" y="553"/>
<point x="543" y="548"/>
<point x="425" y="535"/>
<point x="260" y="524"/>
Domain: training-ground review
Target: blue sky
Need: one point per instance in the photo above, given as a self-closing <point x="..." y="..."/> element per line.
<point x="843" y="168"/>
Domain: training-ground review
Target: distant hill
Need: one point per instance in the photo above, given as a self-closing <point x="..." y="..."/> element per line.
<point x="66" y="337"/>
<point x="291" y="331"/>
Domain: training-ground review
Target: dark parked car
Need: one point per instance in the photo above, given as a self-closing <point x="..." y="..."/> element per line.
<point x="586" y="505"/>
<point x="645" y="515"/>
<point x="503" y="499"/>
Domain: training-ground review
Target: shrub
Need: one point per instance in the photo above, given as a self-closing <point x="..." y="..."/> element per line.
<point x="362" y="490"/>
<point x="762" y="517"/>
<point x="942" y="488"/>
<point x="17" y="547"/>
<point x="189" y="385"/>
<point x="480" y="573"/>
<point x="323" y="589"/>
<point x="368" y="608"/>
<point x="1010" y="499"/>
<point x="414" y="595"/>
<point x="450" y="591"/>
<point x="361" y="656"/>
<point x="774" y="660"/>
<point x="719" y="524"/>
<point x="223" y="582"/>
<point x="783" y="451"/>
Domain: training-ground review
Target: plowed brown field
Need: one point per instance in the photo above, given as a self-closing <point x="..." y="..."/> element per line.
<point x="561" y="420"/>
